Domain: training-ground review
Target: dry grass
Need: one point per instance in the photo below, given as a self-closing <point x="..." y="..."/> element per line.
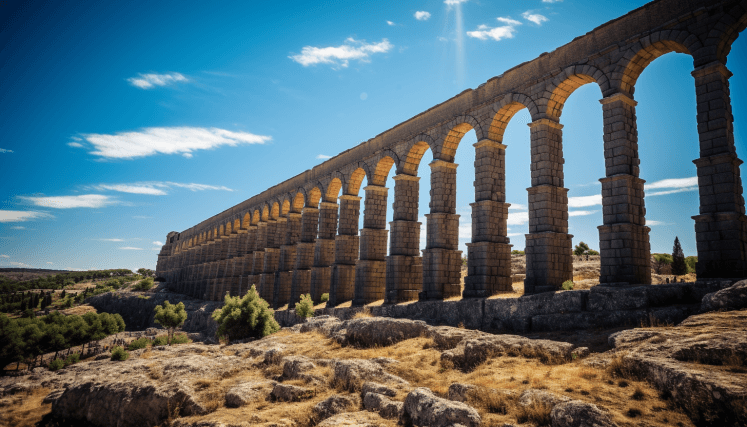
<point x="366" y="312"/>
<point x="24" y="409"/>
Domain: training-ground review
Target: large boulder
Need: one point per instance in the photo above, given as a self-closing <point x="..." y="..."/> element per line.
<point x="297" y="367"/>
<point x="447" y="337"/>
<point x="386" y="407"/>
<point x="423" y="408"/>
<point x="326" y="325"/>
<point x="473" y="351"/>
<point x="374" y="387"/>
<point x="732" y="298"/>
<point x="334" y="405"/>
<point x="247" y="392"/>
<point x="460" y="392"/>
<point x="290" y="393"/>
<point x="531" y="396"/>
<point x="380" y="331"/>
<point x="352" y="373"/>
<point x="353" y="419"/>
<point x="575" y="413"/>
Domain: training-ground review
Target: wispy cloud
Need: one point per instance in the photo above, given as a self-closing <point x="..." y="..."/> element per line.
<point x="673" y="183"/>
<point x="3" y="150"/>
<point x="518" y="218"/>
<point x="517" y="207"/>
<point x="534" y="17"/>
<point x="149" y="81"/>
<point x="584" y="201"/>
<point x="390" y="23"/>
<point x="18" y="227"/>
<point x="157" y="243"/>
<point x="454" y="2"/>
<point x="19" y="264"/>
<point x="323" y="157"/>
<point x="422" y="15"/>
<point x="111" y="240"/>
<point x="130" y="248"/>
<point x="4" y="256"/>
<point x="20" y="216"/>
<point x="340" y="56"/>
<point x="506" y="31"/>
<point x="551" y="1"/>
<point x="69" y="202"/>
<point x="75" y="144"/>
<point x="155" y="188"/>
<point x="581" y="213"/>
<point x="678" y="190"/>
<point x="654" y="223"/>
<point x="167" y="140"/>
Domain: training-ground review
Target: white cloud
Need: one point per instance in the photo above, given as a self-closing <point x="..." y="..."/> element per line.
<point x="340" y="56"/>
<point x="155" y="249"/>
<point x="195" y="187"/>
<point x="156" y="188"/>
<point x="533" y="17"/>
<point x="584" y="201"/>
<point x="3" y="150"/>
<point x="514" y="234"/>
<point x="422" y="15"/>
<point x="75" y="144"/>
<point x="68" y="202"/>
<point x="167" y="140"/>
<point x="19" y="264"/>
<point x="4" y="256"/>
<point x="390" y="23"/>
<point x="508" y="21"/>
<point x="130" y="248"/>
<point x="111" y="240"/>
<point x="133" y="189"/>
<point x="673" y="183"/>
<point x="655" y="223"/>
<point x="465" y="230"/>
<point x="581" y="213"/>
<point x="149" y="81"/>
<point x="678" y="190"/>
<point x="518" y="218"/>
<point x="19" y="216"/>
<point x="454" y="2"/>
<point x="499" y="33"/>
<point x="551" y="1"/>
<point x="517" y="207"/>
<point x="323" y="157"/>
<point x="187" y="155"/>
<point x="18" y="227"/>
<point x="157" y="243"/>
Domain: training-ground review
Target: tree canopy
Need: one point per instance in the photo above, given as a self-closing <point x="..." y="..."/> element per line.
<point x="170" y="316"/>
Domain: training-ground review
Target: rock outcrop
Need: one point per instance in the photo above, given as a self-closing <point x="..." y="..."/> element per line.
<point x="423" y="408"/>
<point x="732" y="298"/>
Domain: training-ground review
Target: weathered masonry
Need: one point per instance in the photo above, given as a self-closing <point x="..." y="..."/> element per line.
<point x="301" y="236"/>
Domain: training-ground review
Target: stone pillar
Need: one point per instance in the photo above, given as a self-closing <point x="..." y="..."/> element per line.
<point x="442" y="261"/>
<point x="721" y="227"/>
<point x="287" y="260"/>
<point x="237" y="261"/>
<point x="324" y="251"/>
<point x="548" y="244"/>
<point x="489" y="254"/>
<point x="346" y="251"/>
<point x="258" y="263"/>
<point x="247" y="275"/>
<point x="404" y="266"/>
<point x="270" y="263"/>
<point x="624" y="246"/>
<point x="370" y="271"/>
<point x="301" y="282"/>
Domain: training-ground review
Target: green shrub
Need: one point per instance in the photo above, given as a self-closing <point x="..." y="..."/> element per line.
<point x="180" y="339"/>
<point x="56" y="364"/>
<point x="138" y="344"/>
<point x="325" y="297"/>
<point x="170" y="316"/>
<point x="691" y="261"/>
<point x="118" y="353"/>
<point x="143" y="285"/>
<point x="305" y="307"/>
<point x="72" y="359"/>
<point x="567" y="285"/>
<point x="162" y="340"/>
<point x="244" y="317"/>
<point x="517" y="252"/>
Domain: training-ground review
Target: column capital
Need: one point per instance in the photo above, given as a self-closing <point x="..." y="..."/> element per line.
<point x="713" y="67"/>
<point x="294" y="215"/>
<point x="489" y="143"/>
<point x="309" y="209"/>
<point x="545" y="122"/>
<point x="328" y="205"/>
<point x="406" y="177"/>
<point x="352" y="197"/>
<point x="437" y="163"/>
<point x="618" y="97"/>
<point x="282" y="219"/>
<point x="376" y="188"/>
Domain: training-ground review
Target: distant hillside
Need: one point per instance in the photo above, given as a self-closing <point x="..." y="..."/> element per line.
<point x="24" y="274"/>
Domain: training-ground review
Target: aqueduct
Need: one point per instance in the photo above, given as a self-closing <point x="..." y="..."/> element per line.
<point x="301" y="236"/>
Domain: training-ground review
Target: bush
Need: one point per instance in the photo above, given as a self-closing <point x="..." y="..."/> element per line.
<point x="162" y="340"/>
<point x="72" y="359"/>
<point x="143" y="285"/>
<point x="325" y="297"/>
<point x="517" y="252"/>
<point x="118" y="353"/>
<point x="567" y="285"/>
<point x="691" y="261"/>
<point x="244" y="317"/>
<point x="305" y="307"/>
<point x="56" y="364"/>
<point x="180" y="339"/>
<point x="170" y="316"/>
<point x="138" y="344"/>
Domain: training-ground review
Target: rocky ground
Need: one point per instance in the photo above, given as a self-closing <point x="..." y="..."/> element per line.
<point x="382" y="371"/>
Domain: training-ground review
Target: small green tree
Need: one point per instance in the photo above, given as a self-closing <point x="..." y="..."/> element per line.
<point x="567" y="285"/>
<point x="691" y="262"/>
<point x="170" y="316"/>
<point x="325" y="297"/>
<point x="305" y="307"/>
<point x="118" y="353"/>
<point x="678" y="259"/>
<point x="244" y="317"/>
<point x="583" y="249"/>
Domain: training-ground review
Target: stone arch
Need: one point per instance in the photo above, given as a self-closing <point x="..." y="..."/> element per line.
<point x="247" y="221"/>
<point x="256" y="217"/>
<point x="565" y="83"/>
<point x="355" y="181"/>
<point x="227" y="229"/>
<point x="221" y="230"/>
<point x="447" y="147"/>
<point x="315" y="195"/>
<point x="333" y="190"/>
<point x="383" y="166"/>
<point x="298" y="201"/>
<point x="415" y="149"/>
<point x="275" y="211"/>
<point x="265" y="212"/>
<point x="640" y="55"/>
<point x="505" y="109"/>
<point x="236" y="224"/>
<point x="285" y="207"/>
<point x="733" y="23"/>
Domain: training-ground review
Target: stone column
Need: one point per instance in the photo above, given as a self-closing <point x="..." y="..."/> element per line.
<point x="270" y="264"/>
<point x="721" y="227"/>
<point x="258" y="264"/>
<point x="287" y="260"/>
<point x="370" y="271"/>
<point x="301" y="282"/>
<point x="489" y="254"/>
<point x="237" y="262"/>
<point x="324" y="251"/>
<point x="404" y="266"/>
<point x="548" y="244"/>
<point x="220" y="268"/>
<point x="624" y="246"/>
<point x="442" y="261"/>
<point x="346" y="251"/>
<point x="247" y="275"/>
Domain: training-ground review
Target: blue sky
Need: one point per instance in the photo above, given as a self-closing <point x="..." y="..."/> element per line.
<point x="122" y="121"/>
